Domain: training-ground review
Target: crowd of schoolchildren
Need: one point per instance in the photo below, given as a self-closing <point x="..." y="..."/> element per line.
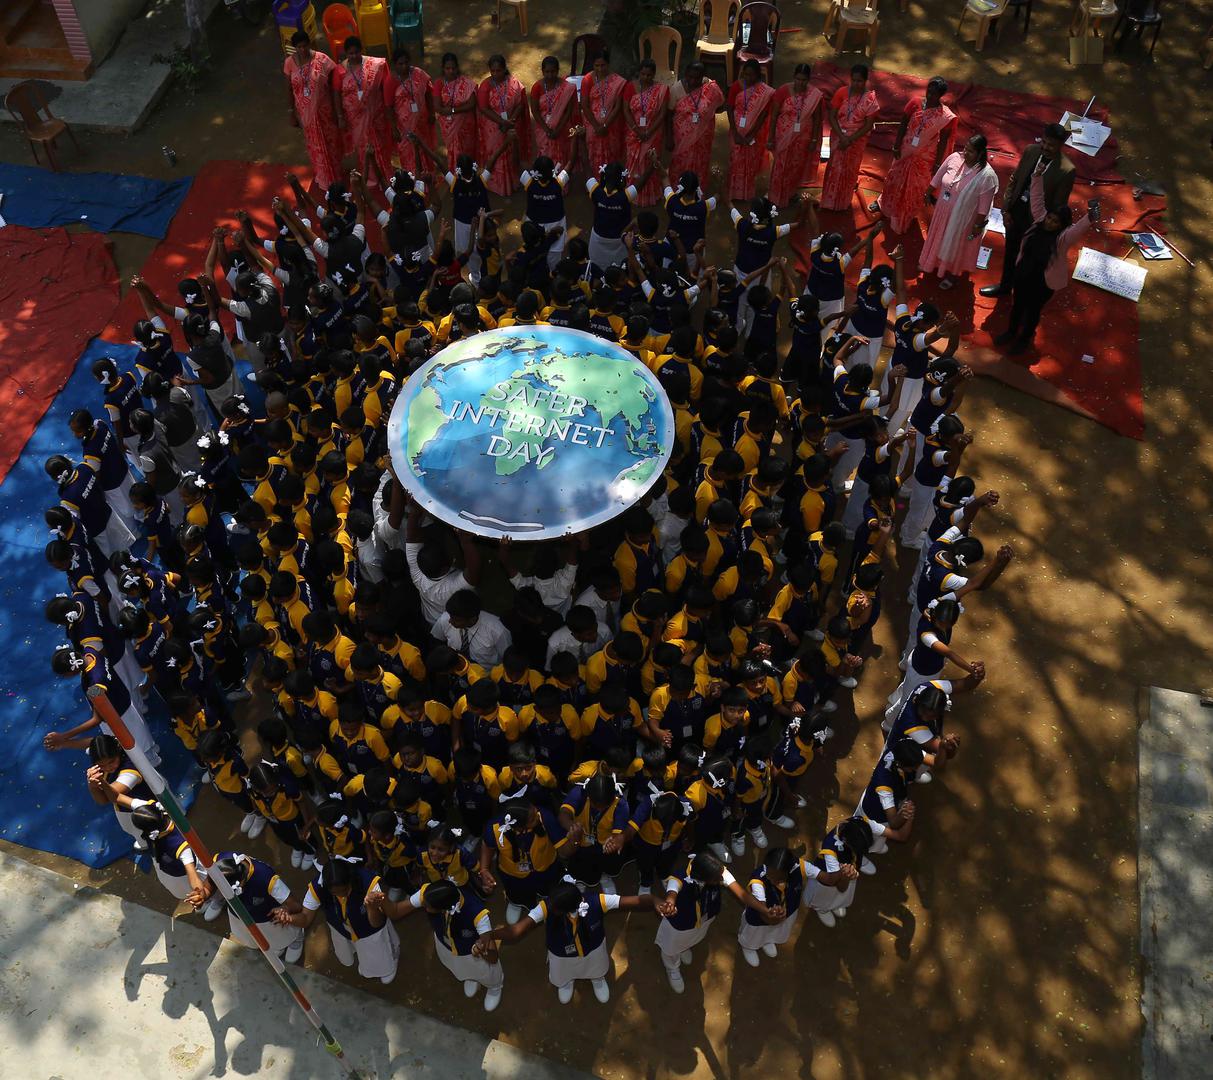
<point x="440" y="720"/>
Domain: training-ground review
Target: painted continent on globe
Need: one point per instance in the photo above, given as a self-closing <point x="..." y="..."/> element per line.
<point x="530" y="432"/>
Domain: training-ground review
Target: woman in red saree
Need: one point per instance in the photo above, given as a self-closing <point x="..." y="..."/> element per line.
<point x="694" y="103"/>
<point x="309" y="78"/>
<point x="646" y="102"/>
<point x="455" y="104"/>
<point x="852" y="113"/>
<point x="411" y="100"/>
<point x="749" y="106"/>
<point x="552" y="101"/>
<point x="795" y="137"/>
<point x="601" y="111"/>
<point x="502" y="103"/>
<point x="924" y="139"/>
<point x="363" y="113"/>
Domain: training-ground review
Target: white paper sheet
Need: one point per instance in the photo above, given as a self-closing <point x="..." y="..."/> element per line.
<point x="983" y="257"/>
<point x="994" y="222"/>
<point x="825" y="148"/>
<point x="1151" y="245"/>
<point x="1087" y="136"/>
<point x="1117" y="276"/>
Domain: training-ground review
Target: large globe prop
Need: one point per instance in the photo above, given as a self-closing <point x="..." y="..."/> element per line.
<point x="530" y="432"/>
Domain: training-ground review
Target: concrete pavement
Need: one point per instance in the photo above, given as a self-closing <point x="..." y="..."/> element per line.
<point x="93" y="987"/>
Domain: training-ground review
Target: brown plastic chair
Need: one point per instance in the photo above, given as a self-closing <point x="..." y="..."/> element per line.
<point x="24" y="102"/>
<point x="664" y="45"/>
<point x="717" y="18"/>
<point x="847" y="17"/>
<point x="756" y="35"/>
<point x="987" y="12"/>
<point x="590" y="45"/>
<point x="520" y="5"/>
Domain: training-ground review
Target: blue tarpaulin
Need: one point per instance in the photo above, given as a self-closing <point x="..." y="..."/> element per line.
<point x="106" y="202"/>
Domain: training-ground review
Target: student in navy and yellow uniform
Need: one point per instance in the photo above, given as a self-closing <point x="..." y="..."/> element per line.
<point x="526" y="841"/>
<point x="444" y="857"/>
<point x="357" y="745"/>
<point x="430" y="774"/>
<point x="391" y="853"/>
<point x="710" y="796"/>
<point x="475" y="791"/>
<point x="778" y="886"/>
<point x="637" y="558"/>
<point x="277" y="798"/>
<point x="172" y="857"/>
<point x="657" y="825"/>
<point x="885" y="801"/>
<point x="725" y="732"/>
<point x="751" y="788"/>
<point x="554" y="728"/>
<point x="228" y="773"/>
<point x="576" y="935"/>
<point x="614" y="721"/>
<point x="516" y="680"/>
<point x="678" y="711"/>
<point x="340" y="836"/>
<point x="596" y="814"/>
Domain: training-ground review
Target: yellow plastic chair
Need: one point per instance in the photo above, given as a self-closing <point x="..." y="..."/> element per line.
<point x="373" y="24"/>
<point x="848" y="17"/>
<point x="521" y="7"/>
<point x="717" y="19"/>
<point x="986" y="12"/>
<point x="664" y="45"/>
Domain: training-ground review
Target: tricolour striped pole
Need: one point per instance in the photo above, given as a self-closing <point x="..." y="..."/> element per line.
<point x="164" y="794"/>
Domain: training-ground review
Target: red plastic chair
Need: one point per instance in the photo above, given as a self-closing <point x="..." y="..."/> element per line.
<point x="339" y="24"/>
<point x="757" y="34"/>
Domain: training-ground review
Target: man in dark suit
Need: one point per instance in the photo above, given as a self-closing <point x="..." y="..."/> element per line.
<point x="1017" y="211"/>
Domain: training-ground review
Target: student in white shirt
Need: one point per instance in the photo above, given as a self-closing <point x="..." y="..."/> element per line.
<point x="436" y="579"/>
<point x="466" y="627"/>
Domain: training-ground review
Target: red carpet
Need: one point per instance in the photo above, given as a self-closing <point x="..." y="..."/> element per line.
<point x="57" y="290"/>
<point x="1079" y="320"/>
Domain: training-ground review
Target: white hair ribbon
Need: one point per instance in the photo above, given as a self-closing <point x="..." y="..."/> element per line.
<point x="72" y="616"/>
<point x="341" y="822"/>
<point x="570" y="879"/>
<point x="583" y="909"/>
<point x="701" y="759"/>
<point x="507" y="823"/>
<point x="433" y="823"/>
<point x="190" y="297"/>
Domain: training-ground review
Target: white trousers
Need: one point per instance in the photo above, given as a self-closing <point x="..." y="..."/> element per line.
<point x="845" y="465"/>
<point x="907" y="397"/>
<point x="853" y="514"/>
<point x="119" y="499"/>
<point x="463" y="235"/>
<point x="918" y="515"/>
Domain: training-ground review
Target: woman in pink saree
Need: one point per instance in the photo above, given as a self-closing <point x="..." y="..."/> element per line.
<point x="646" y="103"/>
<point x="795" y="137"/>
<point x="552" y="101"/>
<point x="924" y="139"/>
<point x="309" y="77"/>
<point x="694" y="103"/>
<point x="363" y="114"/>
<point x="601" y="111"/>
<point x="749" y="104"/>
<point x="411" y="100"/>
<point x="852" y="113"/>
<point x="962" y="192"/>
<point x="455" y="104"/>
<point x="502" y="102"/>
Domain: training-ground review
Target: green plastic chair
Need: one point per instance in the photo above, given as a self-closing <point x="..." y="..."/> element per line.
<point x="407" y="23"/>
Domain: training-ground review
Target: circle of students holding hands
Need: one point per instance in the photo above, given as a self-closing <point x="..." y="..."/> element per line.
<point x="631" y="726"/>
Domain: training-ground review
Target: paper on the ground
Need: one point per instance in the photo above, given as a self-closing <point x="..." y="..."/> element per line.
<point x="1117" y="276"/>
<point x="983" y="257"/>
<point x="1087" y="136"/>
<point x="994" y="222"/>
<point x="1087" y="358"/>
<point x="825" y="148"/>
<point x="1152" y="245"/>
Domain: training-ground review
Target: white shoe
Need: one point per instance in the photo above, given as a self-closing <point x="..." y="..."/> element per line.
<point x="784" y="822"/>
<point x="565" y="993"/>
<point x="140" y="845"/>
<point x="759" y="837"/>
<point x="470" y="986"/>
<point x="769" y="949"/>
<point x="827" y="917"/>
<point x="721" y="852"/>
<point x="848" y="486"/>
<point x="751" y="957"/>
<point x="841" y="912"/>
<point x="801" y="801"/>
<point x="387" y="979"/>
<point x="737" y="844"/>
<point x="849" y="681"/>
<point x="644" y="890"/>
<point x="866" y="866"/>
<point x="308" y="862"/>
<point x="247" y="822"/>
<point x="294" y="952"/>
<point x="817" y="635"/>
<point x="514" y="912"/>
<point x="829" y="706"/>
<point x="685" y="958"/>
<point x="924" y="777"/>
<point x="214" y="907"/>
<point x="257" y="828"/>
<point x="296" y="859"/>
<point x="602" y="990"/>
<point x="492" y="999"/>
<point x="607" y="884"/>
<point x="676" y="983"/>
<point x="205" y="778"/>
<point x="823" y="737"/>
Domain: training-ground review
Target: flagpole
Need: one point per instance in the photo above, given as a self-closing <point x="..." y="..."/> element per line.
<point x="164" y="794"/>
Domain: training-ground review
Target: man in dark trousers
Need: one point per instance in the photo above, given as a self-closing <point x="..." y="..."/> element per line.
<point x="1016" y="211"/>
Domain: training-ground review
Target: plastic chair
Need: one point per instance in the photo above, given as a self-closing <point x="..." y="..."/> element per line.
<point x="520" y="5"/>
<point x="339" y="24"/>
<point x="987" y="12"/>
<point x="24" y="101"/>
<point x="756" y="35"/>
<point x="664" y="45"/>
<point x="408" y="23"/>
<point x="590" y="45"/>
<point x="373" y="24"/>
<point x="1135" y="17"/>
<point x="716" y="21"/>
<point x="847" y="17"/>
<point x="1015" y="7"/>
<point x="1088" y="14"/>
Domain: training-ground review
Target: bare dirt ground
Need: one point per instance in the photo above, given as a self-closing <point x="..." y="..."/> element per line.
<point x="1003" y="940"/>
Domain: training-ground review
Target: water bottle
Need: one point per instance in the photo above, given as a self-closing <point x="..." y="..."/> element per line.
<point x="170" y="155"/>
